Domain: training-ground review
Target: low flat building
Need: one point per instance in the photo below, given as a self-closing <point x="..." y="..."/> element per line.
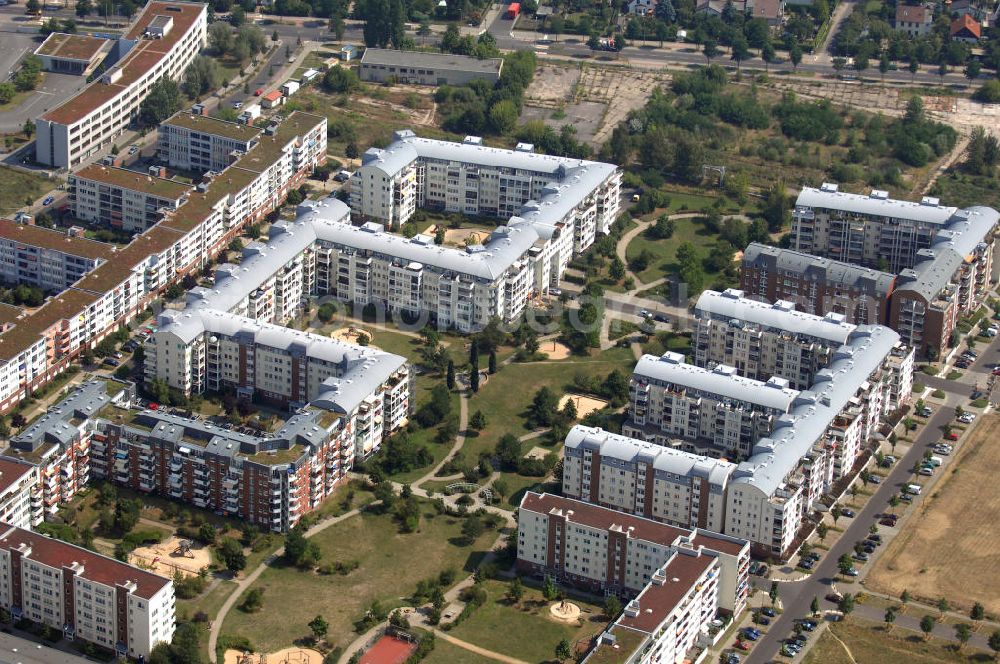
<point x="203" y="143"/>
<point x="72" y="54"/>
<point x="83" y="595"/>
<point x="123" y="199"/>
<point x="816" y="285"/>
<point x="52" y="260"/>
<point x="379" y="65"/>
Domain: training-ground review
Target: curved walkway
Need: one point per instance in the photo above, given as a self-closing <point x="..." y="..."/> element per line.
<point x="465" y="645"/>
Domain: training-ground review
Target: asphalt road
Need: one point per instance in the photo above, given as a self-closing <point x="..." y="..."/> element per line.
<point x="796" y="597"/>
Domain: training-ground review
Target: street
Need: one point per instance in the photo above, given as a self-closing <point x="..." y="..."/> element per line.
<point x="797" y="596"/>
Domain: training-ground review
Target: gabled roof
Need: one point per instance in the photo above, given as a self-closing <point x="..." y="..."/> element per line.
<point x="965" y="25"/>
<point x="913" y="14"/>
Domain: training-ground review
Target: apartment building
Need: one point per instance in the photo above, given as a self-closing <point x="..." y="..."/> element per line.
<point x="707" y="409"/>
<point x="203" y="143"/>
<point x="874" y="231"/>
<point x="669" y="621"/>
<point x="764" y="340"/>
<point x="58" y="445"/>
<point x="20" y="503"/>
<point x="603" y="550"/>
<point x="36" y="347"/>
<point x="123" y="199"/>
<point x="52" y="260"/>
<point x="162" y="41"/>
<point x="380" y="65"/>
<point x="817" y="285"/>
<point x="84" y="595"/>
<point x="557" y="194"/>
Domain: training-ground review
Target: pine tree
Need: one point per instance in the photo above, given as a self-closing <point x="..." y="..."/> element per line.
<point x="451" y="375"/>
<point x="493" y="362"/>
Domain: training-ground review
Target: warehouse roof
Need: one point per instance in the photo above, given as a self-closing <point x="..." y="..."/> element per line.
<point x="421" y="59"/>
<point x="781" y="316"/>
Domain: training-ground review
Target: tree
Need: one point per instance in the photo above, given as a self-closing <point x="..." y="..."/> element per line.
<point x="943" y="69"/>
<point x="894" y="503"/>
<point x="617" y="269"/>
<point x="612" y="607"/>
<point x="963" y="633"/>
<point x="163" y="100"/>
<point x="914" y="67"/>
<point x="508" y="450"/>
<point x="207" y="534"/>
<point x="563" y="651"/>
<point x="740" y="51"/>
<point x="978" y="612"/>
<point x="773" y="593"/>
<point x="710" y="49"/>
<point x="202" y="76"/>
<point x="503" y="116"/>
<point x="341" y="80"/>
<point x="220" y="37"/>
<point x="549" y="589"/>
<point x="927" y="626"/>
<point x="814" y="606"/>
<point x="844" y="564"/>
<point x="768" y="54"/>
<point x="942" y="605"/>
<point x="472" y="528"/>
<point x="515" y="591"/>
<point x="33" y="7"/>
<point x="319" y="627"/>
<point x="776" y="210"/>
<point x="450" y="376"/>
<point x="28" y="128"/>
<point x="883" y="65"/>
<point x="474" y="378"/>
<point x="904" y="597"/>
<point x="795" y="55"/>
<point x="994" y="641"/>
<point x="478" y="420"/>
<point x="889" y="618"/>
<point x="275" y="37"/>
<point x="84" y="8"/>
<point x="972" y="69"/>
<point x="232" y="556"/>
<point x="846" y="604"/>
<point x="492" y="363"/>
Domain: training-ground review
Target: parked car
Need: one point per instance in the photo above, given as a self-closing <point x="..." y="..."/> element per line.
<point x="874" y="537"/>
<point x="119" y="356"/>
<point x="733" y="658"/>
<point x="742" y="646"/>
<point x="906" y="498"/>
<point x="951" y="436"/>
<point x="111" y="362"/>
<point x="863" y="557"/>
<point x="875" y="479"/>
<point x="806" y="564"/>
<point x="762" y="620"/>
<point x="926" y="471"/>
<point x="967" y="418"/>
<point x="925" y="412"/>
<point x="768" y="611"/>
<point x="851" y="572"/>
<point x="834" y="597"/>
<point x="258" y="92"/>
<point x="848" y="513"/>
<point x="48" y="200"/>
<point x="961" y="364"/>
<point x="813" y="556"/>
<point x="888" y="522"/>
<point x="237" y="104"/>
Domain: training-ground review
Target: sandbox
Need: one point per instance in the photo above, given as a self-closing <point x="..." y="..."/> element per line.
<point x="585" y="405"/>
<point x="285" y="656"/>
<point x="169" y="557"/>
<point x="351" y="334"/>
<point x="554" y="349"/>
<point x="564" y="611"/>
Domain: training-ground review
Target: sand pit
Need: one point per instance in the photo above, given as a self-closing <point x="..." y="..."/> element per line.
<point x="350" y="334"/>
<point x="165" y="558"/>
<point x="462" y="237"/>
<point x="537" y="453"/>
<point x="584" y="405"/>
<point x="554" y="349"/>
<point x="286" y="656"/>
<point x="564" y="611"/>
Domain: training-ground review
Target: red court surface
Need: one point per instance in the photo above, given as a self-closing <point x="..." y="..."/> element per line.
<point x="388" y="650"/>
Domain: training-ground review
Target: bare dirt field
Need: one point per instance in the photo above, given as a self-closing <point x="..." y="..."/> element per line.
<point x="350" y="334"/>
<point x="947" y="549"/>
<point x="286" y="656"/>
<point x="164" y="559"/>
<point x="584" y="405"/>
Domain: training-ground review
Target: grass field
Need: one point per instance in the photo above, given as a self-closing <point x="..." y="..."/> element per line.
<point x="870" y="643"/>
<point x="663" y="253"/>
<point x="390" y="566"/>
<point x="494" y="623"/>
<point x="507" y="394"/>
<point x="445" y="653"/>
<point x="949" y="550"/>
<point x="18" y="187"/>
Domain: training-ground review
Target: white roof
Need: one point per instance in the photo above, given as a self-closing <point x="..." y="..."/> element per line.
<point x="829" y="198"/>
<point x="667" y="459"/>
<point x="722" y="381"/>
<point x="781" y="316"/>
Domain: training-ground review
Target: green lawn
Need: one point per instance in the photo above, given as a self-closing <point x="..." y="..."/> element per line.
<point x="507" y="394"/>
<point x="661" y="342"/>
<point x="520" y="484"/>
<point x="445" y="653"/>
<point x="684" y="202"/>
<point x="390" y="566"/>
<point x="18" y="188"/>
<point x="493" y="624"/>
<point x="664" y="252"/>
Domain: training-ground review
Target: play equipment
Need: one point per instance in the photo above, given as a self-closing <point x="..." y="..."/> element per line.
<point x="183" y="549"/>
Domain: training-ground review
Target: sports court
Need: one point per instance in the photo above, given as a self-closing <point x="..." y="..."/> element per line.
<point x="388" y="650"/>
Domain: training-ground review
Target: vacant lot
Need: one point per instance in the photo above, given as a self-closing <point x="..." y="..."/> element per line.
<point x="870" y="643"/>
<point x="18" y="188"/>
<point x="950" y="550"/>
<point x="390" y="564"/>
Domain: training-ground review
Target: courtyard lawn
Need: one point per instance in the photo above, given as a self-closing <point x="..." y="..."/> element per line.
<point x="506" y="396"/>
<point x="446" y="653"/>
<point x="391" y="564"/>
<point x="537" y="634"/>
<point x="663" y="253"/>
<point x="681" y="201"/>
<point x="519" y="484"/>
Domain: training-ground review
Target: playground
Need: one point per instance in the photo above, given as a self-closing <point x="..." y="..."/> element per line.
<point x="172" y="555"/>
<point x="286" y="656"/>
<point x="351" y="334"/>
<point x="585" y="405"/>
<point x="554" y="349"/>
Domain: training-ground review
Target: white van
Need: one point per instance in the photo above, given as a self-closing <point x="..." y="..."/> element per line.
<point x="912" y="489"/>
<point x="935" y="461"/>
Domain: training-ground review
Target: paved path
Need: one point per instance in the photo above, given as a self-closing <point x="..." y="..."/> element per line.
<point x="465" y="645"/>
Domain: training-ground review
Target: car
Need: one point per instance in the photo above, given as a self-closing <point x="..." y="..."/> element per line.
<point x="813" y="556"/>
<point x="48" y="200"/>
<point x="848" y="513"/>
<point x="751" y="631"/>
<point x="111" y="362"/>
<point x="951" y="436"/>
<point x="996" y="372"/>
<point x="258" y="92"/>
<point x="925" y="412"/>
<point x="961" y="364"/>
<point x="153" y="405"/>
<point x="888" y="522"/>
<point x="906" y="498"/>
<point x="943" y="451"/>
<point x="862" y="556"/>
<point x="869" y="548"/>
<point x="237" y="105"/>
<point x="133" y="149"/>
<point x="806" y="564"/>
<point x="926" y="471"/>
<point x="808" y="626"/>
<point x="851" y="572"/>
<point x="990" y="332"/>
<point x="742" y="646"/>
<point x="733" y="658"/>
<point x="644" y="313"/>
<point x="119" y="356"/>
<point x="875" y="479"/>
<point x="967" y="418"/>
<point x="970" y="354"/>
<point x="762" y="620"/>
<point x="768" y="611"/>
<point x="874" y="537"/>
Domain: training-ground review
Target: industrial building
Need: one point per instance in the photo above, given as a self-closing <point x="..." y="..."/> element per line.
<point x="379" y="65"/>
